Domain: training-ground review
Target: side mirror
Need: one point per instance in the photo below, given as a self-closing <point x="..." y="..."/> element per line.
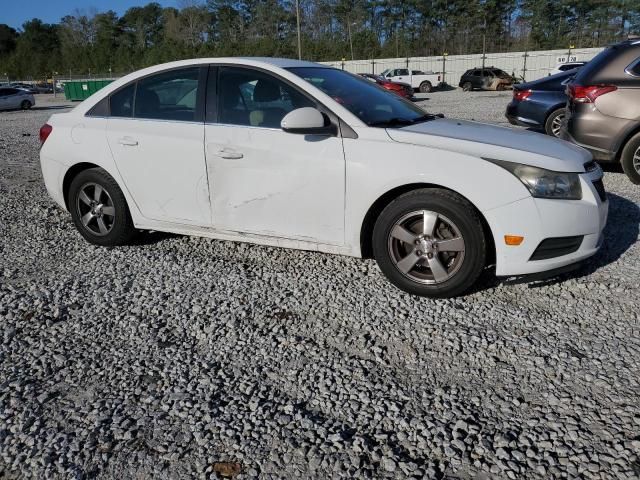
<point x="306" y="121"/>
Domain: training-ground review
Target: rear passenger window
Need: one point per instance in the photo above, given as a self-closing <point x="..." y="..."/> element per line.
<point x="121" y="102"/>
<point x="634" y="68"/>
<point x="169" y="95"/>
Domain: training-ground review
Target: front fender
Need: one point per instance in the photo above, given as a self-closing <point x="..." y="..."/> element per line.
<point x="375" y="166"/>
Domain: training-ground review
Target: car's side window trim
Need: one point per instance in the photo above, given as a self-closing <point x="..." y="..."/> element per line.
<point x="344" y="130"/>
<point x="200" y="107"/>
<point x="629" y="70"/>
<point x="211" y="95"/>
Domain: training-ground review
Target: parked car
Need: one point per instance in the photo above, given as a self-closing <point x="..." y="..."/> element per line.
<point x="402" y="89"/>
<point x="13" y="98"/>
<point x="44" y="87"/>
<point x="419" y="80"/>
<point x="24" y="86"/>
<point x="603" y="111"/>
<point x="541" y="103"/>
<point x="565" y="67"/>
<point x="487" y="78"/>
<point x="315" y="158"/>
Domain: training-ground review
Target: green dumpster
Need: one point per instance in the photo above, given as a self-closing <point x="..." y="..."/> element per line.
<point x="76" y="90"/>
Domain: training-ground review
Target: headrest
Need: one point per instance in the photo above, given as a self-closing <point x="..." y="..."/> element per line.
<point x="266" y="91"/>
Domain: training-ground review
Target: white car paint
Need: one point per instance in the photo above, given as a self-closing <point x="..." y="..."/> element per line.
<point x="405" y="75"/>
<point x="563" y="67"/>
<point x="267" y="186"/>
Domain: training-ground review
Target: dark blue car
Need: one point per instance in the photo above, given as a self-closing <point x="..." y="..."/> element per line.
<point x="540" y="104"/>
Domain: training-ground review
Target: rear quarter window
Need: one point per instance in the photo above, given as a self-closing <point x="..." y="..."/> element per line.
<point x="608" y="67"/>
<point x="634" y="68"/>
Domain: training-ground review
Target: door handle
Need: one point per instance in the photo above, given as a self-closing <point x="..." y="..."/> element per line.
<point x="128" y="142"/>
<point x="229" y="154"/>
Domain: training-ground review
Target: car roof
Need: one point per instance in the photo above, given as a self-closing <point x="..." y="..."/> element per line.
<point x="273" y="61"/>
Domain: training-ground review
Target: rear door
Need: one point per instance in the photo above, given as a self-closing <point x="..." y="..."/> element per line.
<point x="156" y="134"/>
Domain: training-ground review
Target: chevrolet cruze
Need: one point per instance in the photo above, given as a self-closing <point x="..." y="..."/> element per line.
<point x="299" y="155"/>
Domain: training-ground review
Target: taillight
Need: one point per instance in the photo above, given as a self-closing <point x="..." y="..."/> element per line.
<point x="588" y="94"/>
<point x="521" y="94"/>
<point x="45" y="131"/>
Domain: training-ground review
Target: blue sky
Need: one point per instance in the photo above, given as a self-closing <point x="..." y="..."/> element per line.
<point x="16" y="12"/>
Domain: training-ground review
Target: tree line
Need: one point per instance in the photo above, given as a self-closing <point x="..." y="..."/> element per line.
<point x="91" y="42"/>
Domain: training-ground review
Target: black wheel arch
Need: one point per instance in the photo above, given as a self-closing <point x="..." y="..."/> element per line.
<point x="369" y="221"/>
<point x="624" y="139"/>
<point x="70" y="175"/>
<point x="554" y="109"/>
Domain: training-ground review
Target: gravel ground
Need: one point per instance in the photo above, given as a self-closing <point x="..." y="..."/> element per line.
<point x="184" y="357"/>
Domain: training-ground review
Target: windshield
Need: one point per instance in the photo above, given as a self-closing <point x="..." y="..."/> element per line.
<point x="373" y="105"/>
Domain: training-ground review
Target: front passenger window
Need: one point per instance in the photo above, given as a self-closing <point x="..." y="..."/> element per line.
<point x="253" y="98"/>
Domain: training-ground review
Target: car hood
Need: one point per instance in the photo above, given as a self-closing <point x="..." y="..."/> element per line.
<point x="499" y="143"/>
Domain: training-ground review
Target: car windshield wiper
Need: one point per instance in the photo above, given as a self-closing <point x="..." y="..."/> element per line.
<point x="400" y="122"/>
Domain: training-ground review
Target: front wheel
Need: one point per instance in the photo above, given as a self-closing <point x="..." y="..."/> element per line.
<point x="426" y="87"/>
<point x="99" y="209"/>
<point x="467" y="87"/>
<point x="630" y="159"/>
<point x="25" y="105"/>
<point x="430" y="242"/>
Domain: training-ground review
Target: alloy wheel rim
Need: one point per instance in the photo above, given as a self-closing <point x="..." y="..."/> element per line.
<point x="636" y="160"/>
<point x="426" y="247"/>
<point x="95" y="209"/>
<point x="556" y="125"/>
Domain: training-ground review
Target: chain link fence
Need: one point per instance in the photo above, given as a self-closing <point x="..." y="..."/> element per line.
<point x="526" y="66"/>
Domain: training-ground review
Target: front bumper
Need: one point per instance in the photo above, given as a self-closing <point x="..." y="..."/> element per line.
<point x="539" y="219"/>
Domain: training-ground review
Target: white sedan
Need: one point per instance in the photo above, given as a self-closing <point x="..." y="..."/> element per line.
<point x="299" y="155"/>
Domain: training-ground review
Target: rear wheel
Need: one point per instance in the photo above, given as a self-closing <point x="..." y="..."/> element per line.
<point x="554" y="122"/>
<point x="25" y="105"/>
<point x="99" y="209"/>
<point x="467" y="87"/>
<point x="430" y="242"/>
<point x="630" y="159"/>
<point x="426" y="87"/>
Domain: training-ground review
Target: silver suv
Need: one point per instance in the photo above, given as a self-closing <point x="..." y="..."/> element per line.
<point x="603" y="109"/>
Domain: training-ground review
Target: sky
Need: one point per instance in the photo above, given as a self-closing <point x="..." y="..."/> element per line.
<point x="15" y="12"/>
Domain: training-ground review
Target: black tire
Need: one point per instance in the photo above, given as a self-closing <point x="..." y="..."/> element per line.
<point x="25" y="105"/>
<point x="467" y="86"/>
<point x="551" y="126"/>
<point x="119" y="226"/>
<point x="450" y="207"/>
<point x="630" y="159"/>
<point x="426" y="87"/>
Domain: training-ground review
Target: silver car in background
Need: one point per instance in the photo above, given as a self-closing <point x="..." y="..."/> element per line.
<point x="13" y="98"/>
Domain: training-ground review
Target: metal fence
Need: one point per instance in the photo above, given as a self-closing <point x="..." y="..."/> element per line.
<point x="524" y="65"/>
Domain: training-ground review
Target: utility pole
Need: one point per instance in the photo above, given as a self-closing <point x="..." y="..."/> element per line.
<point x="350" y="41"/>
<point x="298" y="25"/>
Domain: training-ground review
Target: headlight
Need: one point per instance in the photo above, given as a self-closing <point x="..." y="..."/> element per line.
<point x="544" y="183"/>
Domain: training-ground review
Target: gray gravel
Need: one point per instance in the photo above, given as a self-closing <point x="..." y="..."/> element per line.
<point x="170" y="357"/>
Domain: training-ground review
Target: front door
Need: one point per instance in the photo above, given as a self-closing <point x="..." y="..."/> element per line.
<point x="156" y="135"/>
<point x="266" y="181"/>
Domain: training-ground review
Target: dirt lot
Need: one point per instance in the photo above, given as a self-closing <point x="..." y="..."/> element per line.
<point x="170" y="357"/>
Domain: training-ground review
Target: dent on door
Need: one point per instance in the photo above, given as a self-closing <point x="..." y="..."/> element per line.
<point x="269" y="182"/>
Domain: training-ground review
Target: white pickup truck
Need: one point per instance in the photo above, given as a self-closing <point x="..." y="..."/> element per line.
<point x="424" y="82"/>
